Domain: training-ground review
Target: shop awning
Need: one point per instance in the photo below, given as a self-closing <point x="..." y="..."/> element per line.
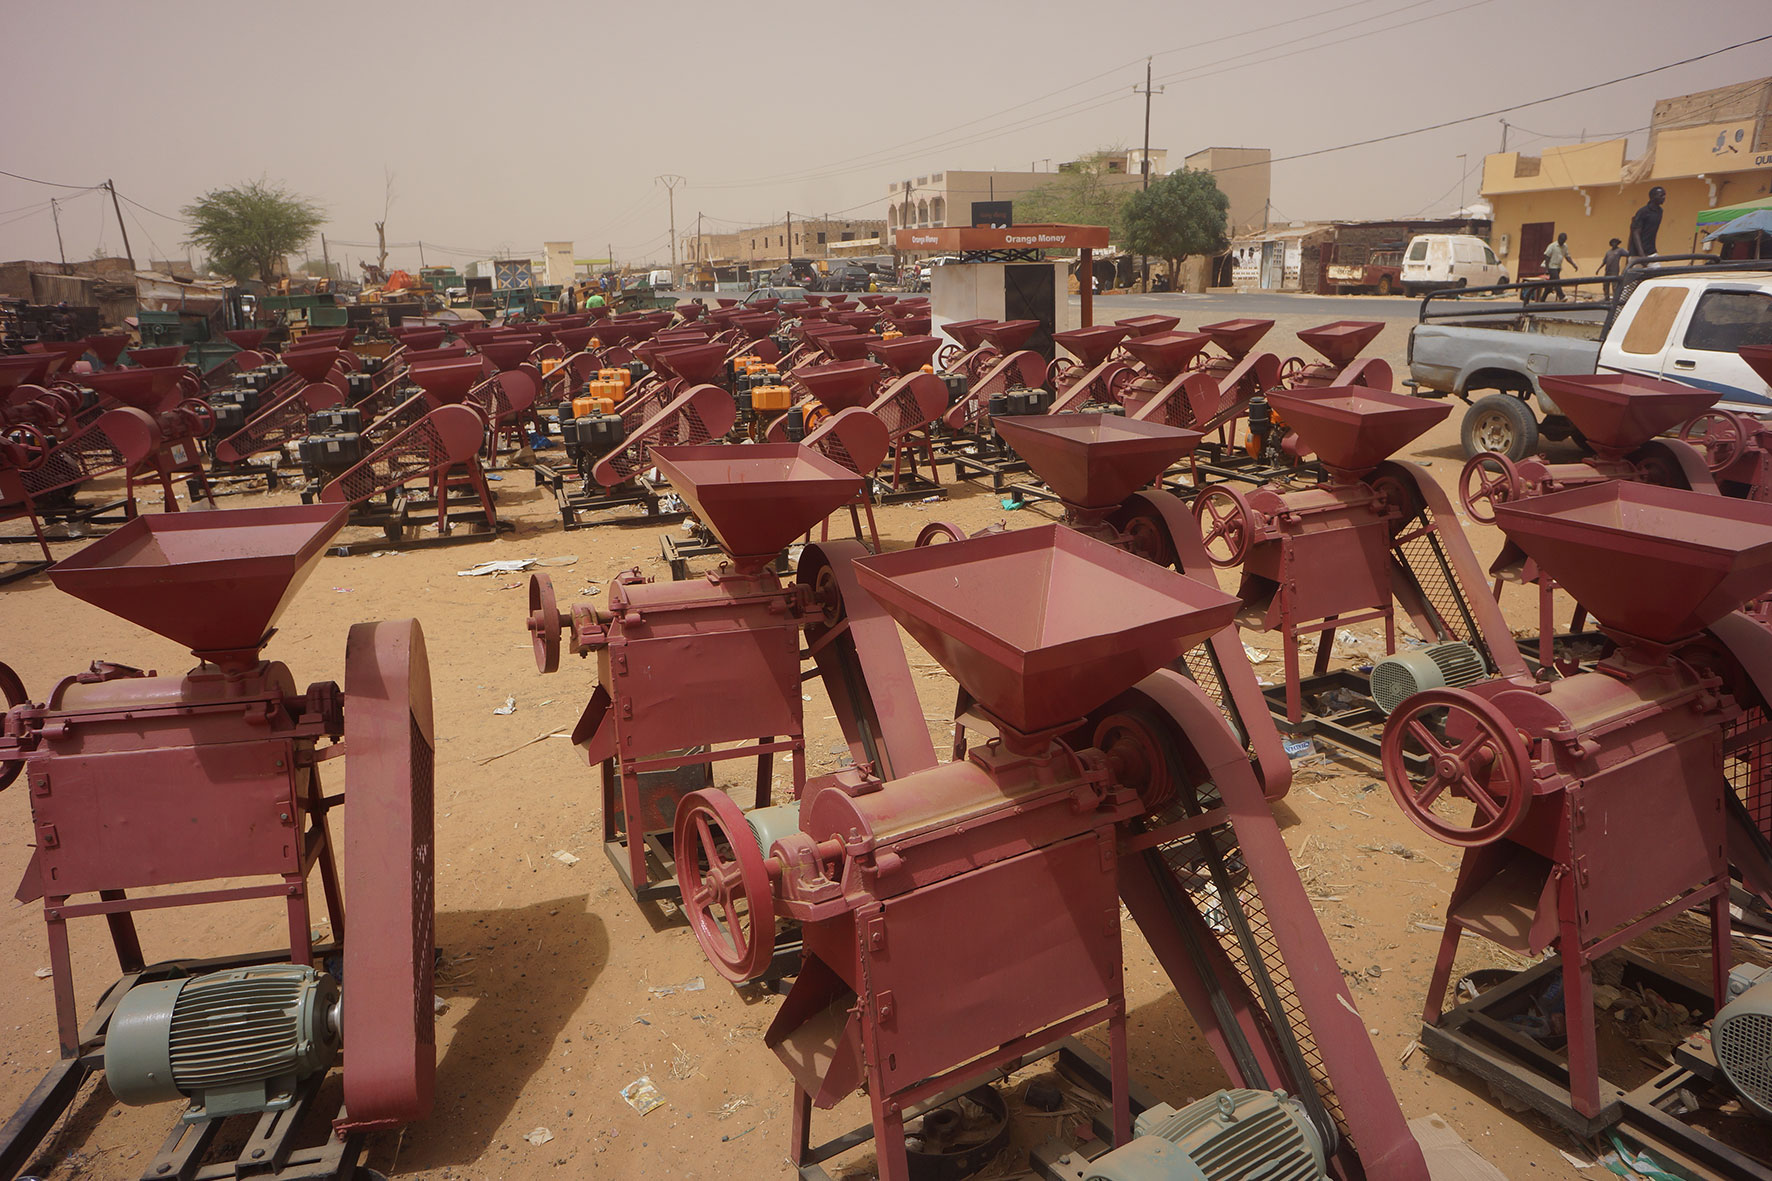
<point x="1710" y="219"/>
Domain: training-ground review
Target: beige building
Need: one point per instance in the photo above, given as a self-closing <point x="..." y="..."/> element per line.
<point x="1243" y="175"/>
<point x="1707" y="149"/>
<point x="775" y="244"/>
<point x="945" y="198"/>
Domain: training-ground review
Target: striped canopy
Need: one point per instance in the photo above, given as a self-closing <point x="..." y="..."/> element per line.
<point x="1710" y="219"/>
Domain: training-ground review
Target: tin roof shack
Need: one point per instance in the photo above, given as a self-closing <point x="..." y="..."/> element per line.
<point x="1298" y="257"/>
<point x="103" y="283"/>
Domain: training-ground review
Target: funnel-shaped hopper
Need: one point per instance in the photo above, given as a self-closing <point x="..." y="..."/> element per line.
<point x="1043" y="625"/>
<point x="1342" y="340"/>
<point x="1354" y="429"/>
<point x="65" y="352"/>
<point x="916" y="325"/>
<point x="1093" y="345"/>
<point x="212" y="581"/>
<point x="453" y="351"/>
<point x="448" y="381"/>
<point x="155" y="358"/>
<point x="757" y="498"/>
<point x="764" y="305"/>
<point x="792" y="307"/>
<point x="970" y="333"/>
<point x="420" y="337"/>
<point x="695" y="363"/>
<point x="107" y="348"/>
<point x="1619" y="412"/>
<point x="144" y="389"/>
<point x="873" y="300"/>
<point x="613" y="332"/>
<point x="672" y="337"/>
<point x="839" y="384"/>
<point x="1010" y="335"/>
<point x="567" y="319"/>
<point x="905" y="355"/>
<point x="755" y="326"/>
<point x="1759" y="358"/>
<point x="861" y="320"/>
<point x="24" y="369"/>
<point x="1149" y="325"/>
<point x="331" y="338"/>
<point x="691" y="309"/>
<point x="847" y="346"/>
<point x="248" y="339"/>
<point x="311" y="365"/>
<point x="1657" y="563"/>
<point x="507" y="352"/>
<point x="1237" y="337"/>
<point x="1165" y="354"/>
<point x="574" y="340"/>
<point x="1095" y="461"/>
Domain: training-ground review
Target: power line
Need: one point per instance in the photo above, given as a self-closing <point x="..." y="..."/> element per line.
<point x="52" y="184"/>
<point x="1378" y="139"/>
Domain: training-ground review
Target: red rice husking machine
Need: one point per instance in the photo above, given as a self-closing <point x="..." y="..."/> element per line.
<point x="708" y="669"/>
<point x="960" y="918"/>
<point x="1595" y="807"/>
<point x="150" y="791"/>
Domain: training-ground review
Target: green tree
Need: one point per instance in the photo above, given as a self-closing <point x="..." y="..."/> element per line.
<point x="1084" y="193"/>
<point x="248" y="229"/>
<point x="1181" y="214"/>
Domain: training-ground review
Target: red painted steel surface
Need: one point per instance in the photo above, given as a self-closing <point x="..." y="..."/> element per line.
<point x="757" y="499"/>
<point x="1095" y="460"/>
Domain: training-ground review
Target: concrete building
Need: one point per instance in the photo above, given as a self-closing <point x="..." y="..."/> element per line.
<point x="1296" y="257"/>
<point x="812" y="238"/>
<point x="945" y="198"/>
<point x="1707" y="149"/>
<point x="1243" y="175"/>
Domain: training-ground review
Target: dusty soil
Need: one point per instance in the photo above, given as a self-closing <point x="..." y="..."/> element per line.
<point x="560" y="991"/>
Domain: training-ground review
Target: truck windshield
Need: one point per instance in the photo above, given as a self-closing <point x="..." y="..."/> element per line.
<point x="1723" y="321"/>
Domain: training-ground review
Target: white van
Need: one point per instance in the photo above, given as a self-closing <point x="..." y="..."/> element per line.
<point x="1434" y="261"/>
<point x="659" y="280"/>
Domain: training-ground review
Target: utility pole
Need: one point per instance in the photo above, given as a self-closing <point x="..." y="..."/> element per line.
<point x="325" y="257"/>
<point x="127" y="252"/>
<point x="56" y="216"/>
<point x="788" y="238"/>
<point x="421" y="254"/>
<point x="1461" y="172"/>
<point x="1504" y="135"/>
<point x="1144" y="163"/>
<point x="670" y="181"/>
<point x="1144" y="168"/>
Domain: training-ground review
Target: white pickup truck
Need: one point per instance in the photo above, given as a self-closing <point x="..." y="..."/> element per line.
<point x="1681" y="324"/>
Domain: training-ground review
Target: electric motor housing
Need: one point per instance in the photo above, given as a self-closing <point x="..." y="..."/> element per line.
<point x="234" y="1042"/>
<point x="956" y="383"/>
<point x="1742" y="1039"/>
<point x="1228" y="1136"/>
<point x="359" y="386"/>
<point x="1445" y="665"/>
<point x="342" y="421"/>
<point x="330" y="453"/>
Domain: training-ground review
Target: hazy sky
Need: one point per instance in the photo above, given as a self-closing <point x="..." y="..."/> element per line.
<point x="507" y="124"/>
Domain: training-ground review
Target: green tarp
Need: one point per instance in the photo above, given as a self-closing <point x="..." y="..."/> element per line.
<point x="1710" y="219"/>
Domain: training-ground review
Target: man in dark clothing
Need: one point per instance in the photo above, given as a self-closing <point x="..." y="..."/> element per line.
<point x="1645" y="224"/>
<point x="1610" y="264"/>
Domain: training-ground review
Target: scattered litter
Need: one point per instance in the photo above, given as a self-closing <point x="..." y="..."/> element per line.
<point x="385" y="553"/>
<point x="591" y="590"/>
<point x="1010" y="503"/>
<point x="1575" y="1161"/>
<point x="641" y="1095"/>
<point x="565" y="858"/>
<point x="1255" y="655"/>
<point x="496" y="476"/>
<point x="561" y="560"/>
<point x="512" y="566"/>
<point x="930" y="500"/>
<point x="696" y="984"/>
<point x="342" y="590"/>
<point x="539" y="1137"/>
<point x="1297" y="748"/>
<point x="44" y="973"/>
<point x="729" y="1109"/>
<point x="439" y="1006"/>
<point x="509" y="707"/>
<point x="1409" y="1052"/>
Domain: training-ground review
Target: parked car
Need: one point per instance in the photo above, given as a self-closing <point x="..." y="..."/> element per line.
<point x="926" y="269"/>
<point x="771" y="291"/>
<point x="1434" y="262"/>
<point x="1381" y="274"/>
<point x="845" y="276"/>
<point x="1681" y="324"/>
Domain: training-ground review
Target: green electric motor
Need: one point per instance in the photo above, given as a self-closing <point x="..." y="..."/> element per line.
<point x="234" y="1043"/>
<point x="1233" y="1135"/>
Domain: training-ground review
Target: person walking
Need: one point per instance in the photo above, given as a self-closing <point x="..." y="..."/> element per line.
<point x="1611" y="264"/>
<point x="1556" y="257"/>
<point x="1645" y="224"/>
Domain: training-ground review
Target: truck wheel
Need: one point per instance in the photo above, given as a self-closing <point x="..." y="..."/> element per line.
<point x="1384" y="284"/>
<point x="1501" y="423"/>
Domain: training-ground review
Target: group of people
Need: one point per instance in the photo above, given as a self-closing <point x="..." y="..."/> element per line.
<point x="584" y="295"/>
<point x="1645" y="226"/>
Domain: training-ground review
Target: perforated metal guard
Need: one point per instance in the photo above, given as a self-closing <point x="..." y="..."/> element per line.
<point x="1186" y="859"/>
<point x="1744" y="1051"/>
<point x="900" y="412"/>
<point x="424" y="918"/>
<point x="416" y="451"/>
<point x="685" y="428"/>
<point x="76" y="459"/>
<point x="271" y="427"/>
<point x="1423" y="555"/>
<point x="831" y="447"/>
<point x="1747" y="764"/>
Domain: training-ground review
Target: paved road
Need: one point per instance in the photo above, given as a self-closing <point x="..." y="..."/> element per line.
<point x="1261" y="304"/>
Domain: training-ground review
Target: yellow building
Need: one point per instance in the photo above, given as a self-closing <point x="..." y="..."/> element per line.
<point x="1708" y="149"/>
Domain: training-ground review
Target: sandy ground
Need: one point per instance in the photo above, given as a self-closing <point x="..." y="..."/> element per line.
<point x="560" y="991"/>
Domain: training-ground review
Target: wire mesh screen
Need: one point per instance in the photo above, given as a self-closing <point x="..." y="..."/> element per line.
<point x="416" y="451"/>
<point x="1747" y="764"/>
<point x="80" y="457"/>
<point x="1423" y="554"/>
<point x="272" y="427"/>
<point x="682" y="427"/>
